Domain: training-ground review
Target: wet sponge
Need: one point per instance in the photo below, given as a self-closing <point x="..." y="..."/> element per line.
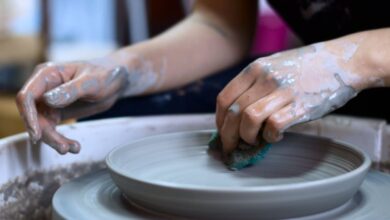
<point x="243" y="156"/>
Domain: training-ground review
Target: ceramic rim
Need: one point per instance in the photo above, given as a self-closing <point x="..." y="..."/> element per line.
<point x="363" y="167"/>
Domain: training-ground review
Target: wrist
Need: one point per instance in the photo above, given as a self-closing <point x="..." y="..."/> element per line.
<point x="371" y="63"/>
<point x="144" y="76"/>
<point x="122" y="58"/>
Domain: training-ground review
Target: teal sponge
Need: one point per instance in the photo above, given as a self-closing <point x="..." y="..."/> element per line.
<point x="243" y="156"/>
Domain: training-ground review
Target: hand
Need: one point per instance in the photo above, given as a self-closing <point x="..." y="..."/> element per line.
<point x="67" y="90"/>
<point x="276" y="92"/>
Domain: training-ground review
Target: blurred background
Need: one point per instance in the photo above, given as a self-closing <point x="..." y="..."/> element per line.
<point x="36" y="31"/>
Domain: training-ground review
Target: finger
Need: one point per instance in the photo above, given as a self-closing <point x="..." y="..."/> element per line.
<point x="28" y="112"/>
<point x="69" y="92"/>
<point x="230" y="129"/>
<point x="56" y="140"/>
<point x="254" y="115"/>
<point x="86" y="87"/>
<point x="279" y="121"/>
<point x="233" y="90"/>
<point x="43" y="79"/>
<point x="65" y="94"/>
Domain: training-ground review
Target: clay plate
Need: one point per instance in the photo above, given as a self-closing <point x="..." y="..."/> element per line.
<point x="95" y="196"/>
<point x="176" y="175"/>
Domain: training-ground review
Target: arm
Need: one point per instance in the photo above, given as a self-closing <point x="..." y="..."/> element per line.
<point x="276" y="92"/>
<point x="372" y="58"/>
<point x="214" y="36"/>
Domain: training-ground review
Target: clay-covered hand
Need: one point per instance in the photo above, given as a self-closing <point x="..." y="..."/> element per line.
<point x="68" y="90"/>
<point x="276" y="92"/>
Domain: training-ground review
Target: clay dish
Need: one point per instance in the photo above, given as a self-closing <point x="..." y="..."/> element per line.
<point x="175" y="174"/>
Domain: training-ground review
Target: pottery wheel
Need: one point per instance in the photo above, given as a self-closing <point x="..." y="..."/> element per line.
<point x="95" y="196"/>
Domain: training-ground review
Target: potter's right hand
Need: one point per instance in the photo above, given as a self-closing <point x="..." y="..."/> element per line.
<point x="68" y="90"/>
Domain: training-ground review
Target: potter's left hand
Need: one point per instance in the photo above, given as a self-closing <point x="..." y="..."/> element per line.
<point x="276" y="92"/>
<point x="59" y="91"/>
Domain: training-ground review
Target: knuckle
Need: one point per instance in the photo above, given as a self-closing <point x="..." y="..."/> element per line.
<point x="264" y="68"/>
<point x="250" y="117"/>
<point x="222" y="100"/>
<point x="20" y="97"/>
<point x="254" y="69"/>
<point x="257" y="65"/>
<point x="250" y="68"/>
<point x="43" y="65"/>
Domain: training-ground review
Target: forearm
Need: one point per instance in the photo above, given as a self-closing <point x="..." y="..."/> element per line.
<point x="200" y="45"/>
<point x="374" y="57"/>
<point x="188" y="52"/>
<point x="366" y="56"/>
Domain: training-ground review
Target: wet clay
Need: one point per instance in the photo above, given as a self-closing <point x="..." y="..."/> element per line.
<point x="29" y="197"/>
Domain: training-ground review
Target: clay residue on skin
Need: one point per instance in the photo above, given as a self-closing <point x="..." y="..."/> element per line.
<point x="139" y="82"/>
<point x="144" y="77"/>
<point x="58" y="96"/>
<point x="60" y="68"/>
<point x="90" y="85"/>
<point x="142" y="74"/>
<point x="289" y="63"/>
<point x="376" y="81"/>
<point x="29" y="197"/>
<point x="235" y="108"/>
<point x="327" y="101"/>
<point x="349" y="50"/>
<point x="248" y="69"/>
<point x="119" y="73"/>
<point x="303" y="70"/>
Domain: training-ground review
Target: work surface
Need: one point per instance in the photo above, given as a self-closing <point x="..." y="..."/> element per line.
<point x="20" y="159"/>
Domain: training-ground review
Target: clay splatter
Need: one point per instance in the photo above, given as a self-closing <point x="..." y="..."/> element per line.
<point x="29" y="197"/>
